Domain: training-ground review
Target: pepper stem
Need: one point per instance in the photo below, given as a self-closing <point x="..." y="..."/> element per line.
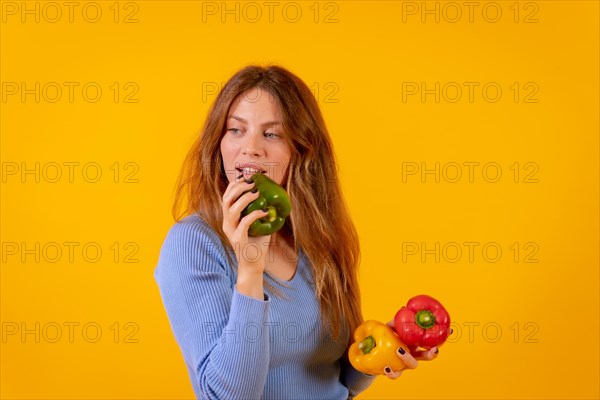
<point x="425" y="319"/>
<point x="367" y="344"/>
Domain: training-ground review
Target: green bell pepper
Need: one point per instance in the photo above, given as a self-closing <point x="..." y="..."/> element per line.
<point x="271" y="198"/>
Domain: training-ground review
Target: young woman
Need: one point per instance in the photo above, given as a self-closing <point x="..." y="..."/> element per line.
<point x="272" y="316"/>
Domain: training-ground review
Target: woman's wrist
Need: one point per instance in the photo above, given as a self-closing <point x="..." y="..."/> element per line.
<point x="250" y="283"/>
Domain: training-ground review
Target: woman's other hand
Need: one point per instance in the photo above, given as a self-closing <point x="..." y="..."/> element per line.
<point x="410" y="360"/>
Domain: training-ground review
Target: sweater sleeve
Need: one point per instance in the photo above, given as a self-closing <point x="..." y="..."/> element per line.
<point x="209" y="318"/>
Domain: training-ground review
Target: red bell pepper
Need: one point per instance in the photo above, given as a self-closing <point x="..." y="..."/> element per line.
<point x="423" y="322"/>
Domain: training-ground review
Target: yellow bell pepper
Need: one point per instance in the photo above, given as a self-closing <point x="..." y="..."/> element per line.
<point x="374" y="348"/>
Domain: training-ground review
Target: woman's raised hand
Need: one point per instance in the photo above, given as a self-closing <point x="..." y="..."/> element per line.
<point x="251" y="252"/>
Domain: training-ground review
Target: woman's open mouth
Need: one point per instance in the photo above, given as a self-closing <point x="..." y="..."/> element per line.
<point x="247" y="172"/>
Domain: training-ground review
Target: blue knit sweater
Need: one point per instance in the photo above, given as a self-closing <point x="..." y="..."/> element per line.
<point x="238" y="347"/>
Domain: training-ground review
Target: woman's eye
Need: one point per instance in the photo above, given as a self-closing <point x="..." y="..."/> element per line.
<point x="271" y="135"/>
<point x="233" y="130"/>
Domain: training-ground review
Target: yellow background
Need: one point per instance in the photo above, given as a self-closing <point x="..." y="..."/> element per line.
<point x="522" y="330"/>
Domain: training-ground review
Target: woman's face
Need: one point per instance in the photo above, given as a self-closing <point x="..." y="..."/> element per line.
<point x="254" y="140"/>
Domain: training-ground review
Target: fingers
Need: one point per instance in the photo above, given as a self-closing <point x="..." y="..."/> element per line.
<point x="235" y="210"/>
<point x="245" y="222"/>
<point x="407" y="358"/>
<point x="237" y="196"/>
<point x="387" y="371"/>
<point x="234" y="191"/>
<point x="427" y="355"/>
<point x="410" y="360"/>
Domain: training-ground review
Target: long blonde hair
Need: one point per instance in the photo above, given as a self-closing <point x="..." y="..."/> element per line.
<point x="319" y="223"/>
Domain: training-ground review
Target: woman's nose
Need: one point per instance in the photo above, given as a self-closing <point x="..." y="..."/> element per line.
<point x="252" y="146"/>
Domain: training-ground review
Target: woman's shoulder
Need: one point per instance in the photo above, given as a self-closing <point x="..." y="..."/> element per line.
<point x="191" y="249"/>
<point x="192" y="224"/>
<point x="192" y="232"/>
<point x="192" y="245"/>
